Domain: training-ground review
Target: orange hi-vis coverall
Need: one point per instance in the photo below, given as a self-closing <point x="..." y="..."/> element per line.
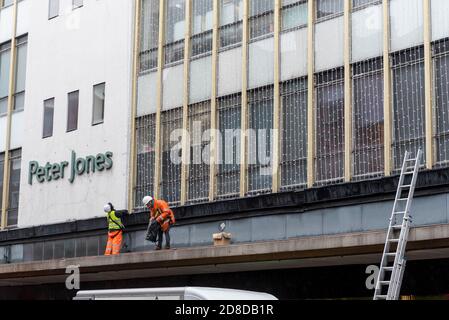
<point x="115" y="234"/>
<point x="163" y="214"/>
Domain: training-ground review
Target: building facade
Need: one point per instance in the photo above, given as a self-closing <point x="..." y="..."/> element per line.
<point x="286" y="119"/>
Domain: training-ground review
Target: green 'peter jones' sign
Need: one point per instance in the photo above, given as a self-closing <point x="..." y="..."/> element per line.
<point x="78" y="167"/>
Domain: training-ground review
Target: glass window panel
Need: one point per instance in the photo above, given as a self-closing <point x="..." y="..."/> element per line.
<point x="171" y="155"/>
<point x="229" y="124"/>
<point x="146" y="139"/>
<point x="441" y="94"/>
<point x="261" y="17"/>
<point x="231" y="15"/>
<point x="69" y="248"/>
<point x="53" y="8"/>
<point x="294" y="13"/>
<point x="198" y="128"/>
<point x="329" y="163"/>
<point x="5" y="60"/>
<point x="325" y="8"/>
<point x="14" y="187"/>
<point x="174" y="31"/>
<point x="408" y="103"/>
<point x="72" y="115"/>
<point x="368" y="119"/>
<point x="149" y="37"/>
<point x="294" y="134"/>
<point x="98" y="107"/>
<point x="49" y="107"/>
<point x="260" y="124"/>
<point x="77" y="3"/>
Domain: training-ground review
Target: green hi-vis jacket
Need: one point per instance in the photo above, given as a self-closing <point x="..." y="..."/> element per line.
<point x="115" y="221"/>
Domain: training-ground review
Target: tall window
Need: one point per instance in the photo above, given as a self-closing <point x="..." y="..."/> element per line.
<point x="229" y="124"/>
<point x="441" y="93"/>
<point x="5" y="3"/>
<point x="149" y="37"/>
<point x="294" y="134"/>
<point x="408" y="103"/>
<point x="231" y="16"/>
<point x="362" y="3"/>
<point x="77" y="3"/>
<point x="174" y="30"/>
<point x="327" y="8"/>
<point x="260" y="139"/>
<point x="329" y="126"/>
<point x="20" y="69"/>
<point x="5" y="60"/>
<point x="98" y="103"/>
<point x="14" y="187"/>
<point x="53" y="8"/>
<point x="49" y="109"/>
<point x="198" y="126"/>
<point x="261" y="17"/>
<point x="294" y="13"/>
<point x="368" y="118"/>
<point x="146" y="139"/>
<point x="171" y="155"/>
<point x="202" y="16"/>
<point x="72" y="112"/>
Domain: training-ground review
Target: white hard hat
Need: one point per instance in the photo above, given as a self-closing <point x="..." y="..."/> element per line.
<point x="107" y="208"/>
<point x="147" y="200"/>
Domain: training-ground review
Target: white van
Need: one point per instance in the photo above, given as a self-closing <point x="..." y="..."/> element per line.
<point x="186" y="293"/>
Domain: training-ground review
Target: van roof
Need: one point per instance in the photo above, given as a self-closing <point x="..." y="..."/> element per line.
<point x="202" y="293"/>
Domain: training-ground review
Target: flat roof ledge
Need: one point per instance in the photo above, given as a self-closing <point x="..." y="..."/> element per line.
<point x="350" y="244"/>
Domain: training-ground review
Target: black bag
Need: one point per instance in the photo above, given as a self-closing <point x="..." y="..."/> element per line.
<point x="152" y="231"/>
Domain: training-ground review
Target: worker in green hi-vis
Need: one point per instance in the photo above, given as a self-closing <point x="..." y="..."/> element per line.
<point x="115" y="228"/>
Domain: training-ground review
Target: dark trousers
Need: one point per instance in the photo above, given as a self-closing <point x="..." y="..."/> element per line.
<point x="167" y="238"/>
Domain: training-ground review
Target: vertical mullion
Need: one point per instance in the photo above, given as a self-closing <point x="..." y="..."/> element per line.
<point x="160" y="65"/>
<point x="348" y="90"/>
<point x="276" y="99"/>
<point x="430" y="159"/>
<point x="213" y="104"/>
<point x="6" y="171"/>
<point x="133" y="158"/>
<point x="185" y="109"/>
<point x="310" y="94"/>
<point x="244" y="106"/>
<point x="387" y="88"/>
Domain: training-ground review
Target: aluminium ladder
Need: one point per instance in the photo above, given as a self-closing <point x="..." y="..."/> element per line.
<point x="389" y="280"/>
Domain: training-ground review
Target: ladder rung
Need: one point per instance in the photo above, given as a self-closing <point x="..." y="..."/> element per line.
<point x="414" y="159"/>
<point x="382" y="297"/>
<point x="390" y="254"/>
<point x="409" y="172"/>
<point x="385" y="283"/>
<point x="400" y="212"/>
<point x="403" y="199"/>
<point x="398" y="226"/>
<point x="406" y="186"/>
<point x="393" y="240"/>
<point x="409" y="168"/>
<point x="388" y="268"/>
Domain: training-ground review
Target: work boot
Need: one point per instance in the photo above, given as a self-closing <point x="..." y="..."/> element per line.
<point x="167" y="247"/>
<point x="157" y="248"/>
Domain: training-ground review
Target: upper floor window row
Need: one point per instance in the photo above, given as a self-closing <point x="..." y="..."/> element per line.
<point x="53" y="7"/>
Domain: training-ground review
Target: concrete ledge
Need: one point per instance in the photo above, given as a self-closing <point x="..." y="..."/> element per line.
<point x="354" y="244"/>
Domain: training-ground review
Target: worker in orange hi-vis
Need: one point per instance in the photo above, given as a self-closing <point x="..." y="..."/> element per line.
<point x="161" y="212"/>
<point x="115" y="229"/>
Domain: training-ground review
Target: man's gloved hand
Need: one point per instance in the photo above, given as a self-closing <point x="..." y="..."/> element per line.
<point x="159" y="219"/>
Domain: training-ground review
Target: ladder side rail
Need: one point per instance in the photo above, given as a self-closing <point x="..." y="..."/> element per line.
<point x="381" y="275"/>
